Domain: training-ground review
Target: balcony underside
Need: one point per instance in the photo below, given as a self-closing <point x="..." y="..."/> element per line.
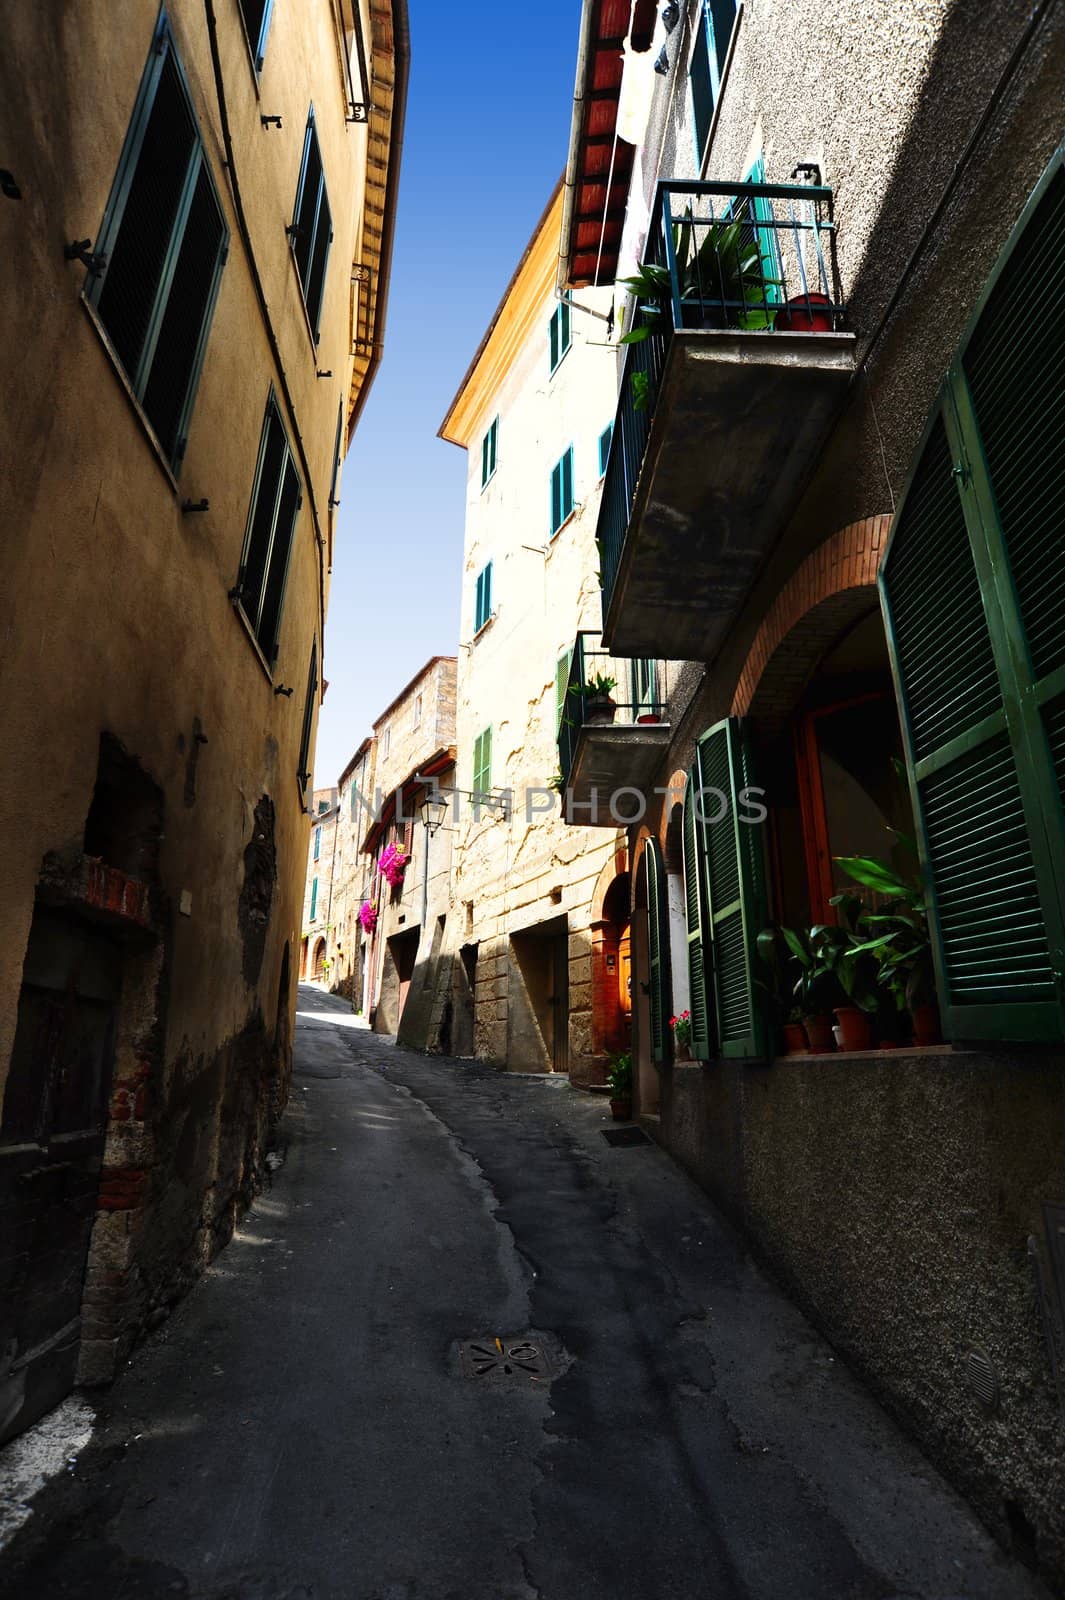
<point x="739" y="423"/>
<point x="609" y="757"/>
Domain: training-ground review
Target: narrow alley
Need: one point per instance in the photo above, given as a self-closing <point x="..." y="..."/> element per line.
<point x="304" y="1427"/>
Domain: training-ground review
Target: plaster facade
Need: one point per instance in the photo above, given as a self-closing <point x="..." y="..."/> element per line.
<point x="908" y="1215"/>
<point x="169" y="744"/>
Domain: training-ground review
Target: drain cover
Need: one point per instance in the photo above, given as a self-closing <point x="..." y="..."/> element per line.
<point x="983" y="1379"/>
<point x="624" y="1136"/>
<point x="509" y="1360"/>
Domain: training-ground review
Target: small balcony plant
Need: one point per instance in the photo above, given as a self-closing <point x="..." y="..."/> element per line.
<point x="599" y="705"/>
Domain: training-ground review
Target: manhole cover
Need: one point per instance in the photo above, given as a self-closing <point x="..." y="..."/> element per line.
<point x="983" y="1379"/>
<point x="511" y="1360"/>
<point x="624" y="1136"/>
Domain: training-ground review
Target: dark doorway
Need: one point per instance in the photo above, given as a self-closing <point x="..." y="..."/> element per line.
<point x="52" y="1134"/>
<point x="403" y="948"/>
<point x="538" y="1004"/>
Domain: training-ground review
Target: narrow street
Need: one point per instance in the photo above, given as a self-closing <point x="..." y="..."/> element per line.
<point x="302" y="1428"/>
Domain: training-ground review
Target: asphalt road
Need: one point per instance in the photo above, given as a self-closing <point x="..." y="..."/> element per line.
<point x="303" y="1428"/>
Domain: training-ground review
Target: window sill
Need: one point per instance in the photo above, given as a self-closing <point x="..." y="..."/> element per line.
<point x="138" y="410"/>
<point x="488" y="480"/>
<point x="483" y="629"/>
<point x="563" y="524"/>
<point x="560" y="360"/>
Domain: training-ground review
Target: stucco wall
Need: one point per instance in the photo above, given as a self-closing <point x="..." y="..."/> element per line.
<point x="115" y="610"/>
<point x="895" y="1194"/>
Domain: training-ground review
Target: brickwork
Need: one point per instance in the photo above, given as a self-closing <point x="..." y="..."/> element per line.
<point x="830" y="587"/>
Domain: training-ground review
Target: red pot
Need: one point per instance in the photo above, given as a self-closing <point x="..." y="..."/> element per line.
<point x="648" y="716"/>
<point x="926" y="1028"/>
<point x="855" y="1028"/>
<point x="803" y="314"/>
<point x="819" y="1034"/>
<point x="794" y="1039"/>
<point x="621" y="1110"/>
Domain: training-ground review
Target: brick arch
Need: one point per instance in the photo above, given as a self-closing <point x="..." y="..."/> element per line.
<point x="831" y="589"/>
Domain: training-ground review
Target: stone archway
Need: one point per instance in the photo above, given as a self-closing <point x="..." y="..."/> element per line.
<point x="318" y="967"/>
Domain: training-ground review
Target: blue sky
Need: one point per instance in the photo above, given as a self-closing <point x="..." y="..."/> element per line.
<point x="491" y="90"/>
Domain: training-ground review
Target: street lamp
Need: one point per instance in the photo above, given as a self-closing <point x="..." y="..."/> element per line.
<point x="432" y="811"/>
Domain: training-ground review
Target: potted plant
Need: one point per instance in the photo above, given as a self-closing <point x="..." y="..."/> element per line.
<point x="599" y="707"/>
<point x="619" y="1077"/>
<point x="897" y="938"/>
<point x="781" y="990"/>
<point x="816" y="989"/>
<point x="681" y="1029"/>
<point x="368" y="916"/>
<point x="393" y="864"/>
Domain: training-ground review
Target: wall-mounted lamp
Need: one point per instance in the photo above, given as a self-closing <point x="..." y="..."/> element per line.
<point x="433" y="811"/>
<point x="670" y="15"/>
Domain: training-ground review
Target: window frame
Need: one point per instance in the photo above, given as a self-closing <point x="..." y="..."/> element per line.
<point x="257" y="49"/>
<point x="311" y="140"/>
<point x="705" y="36"/>
<point x="482" y="765"/>
<point x="163" y="45"/>
<point x="483" y="613"/>
<point x="558" y="498"/>
<point x="303" y="776"/>
<point x="269" y="649"/>
<point x="559" y="329"/>
<point x="489" y="453"/>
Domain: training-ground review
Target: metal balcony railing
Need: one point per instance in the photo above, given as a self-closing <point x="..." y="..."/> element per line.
<point x="635" y="694"/>
<point x="747" y="257"/>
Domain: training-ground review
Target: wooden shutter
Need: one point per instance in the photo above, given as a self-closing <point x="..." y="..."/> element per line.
<point x="314" y="897"/>
<point x="486" y="761"/>
<point x="977" y="540"/>
<point x="567" y="484"/>
<point x="486" y="592"/>
<point x="485" y="471"/>
<point x="338" y="441"/>
<point x="735" y="910"/>
<point x="658" y="948"/>
<point x="478" y="612"/>
<point x="302" y="772"/>
<point x="556" y="499"/>
<point x="562" y="666"/>
<point x="694" y="903"/>
<point x="552" y="336"/>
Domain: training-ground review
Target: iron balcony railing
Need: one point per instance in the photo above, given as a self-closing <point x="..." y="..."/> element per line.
<point x="750" y="257"/>
<point x="636" y="694"/>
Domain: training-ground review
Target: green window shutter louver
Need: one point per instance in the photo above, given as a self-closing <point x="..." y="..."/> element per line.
<point x="556" y="499"/>
<point x="694" y="903"/>
<point x="604" y="447"/>
<point x="734" y="907"/>
<point x="314" y="898"/>
<point x="567" y="483"/>
<point x="977" y="538"/>
<point x="486" y="762"/>
<point x="562" y="667"/>
<point x="658" y="949"/>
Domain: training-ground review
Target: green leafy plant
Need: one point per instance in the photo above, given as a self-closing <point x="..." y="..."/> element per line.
<point x="817" y="987"/>
<point x="895" y="931"/>
<point x="619" y="1074"/>
<point x="725" y="269"/>
<point x="598" y="687"/>
<point x="558" y="782"/>
<point x="783" y="975"/>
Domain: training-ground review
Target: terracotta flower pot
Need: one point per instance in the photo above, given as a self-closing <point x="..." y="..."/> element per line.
<point x="601" y="710"/>
<point x="794" y="1039"/>
<point x="621" y="1110"/>
<point x="805" y="313"/>
<point x="855" y="1028"/>
<point x="926" y="1029"/>
<point x="819" y="1034"/>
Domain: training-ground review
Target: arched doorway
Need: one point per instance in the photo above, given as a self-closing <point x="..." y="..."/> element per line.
<point x="319" y="961"/>
<point x="612" y="970"/>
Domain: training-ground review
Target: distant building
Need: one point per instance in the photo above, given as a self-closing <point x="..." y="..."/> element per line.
<point x="539" y="938"/>
<point x="198" y="208"/>
<point x="316" y="959"/>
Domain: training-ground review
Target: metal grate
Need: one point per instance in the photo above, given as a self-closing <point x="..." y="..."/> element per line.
<point x="516" y="1359"/>
<point x="983" y="1379"/>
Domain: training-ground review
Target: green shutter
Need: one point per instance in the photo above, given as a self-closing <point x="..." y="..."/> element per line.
<point x="486" y="598"/>
<point x="556" y="499"/>
<point x="486" y="761"/>
<point x="694" y="904"/>
<point x="977" y="540"/>
<point x="658" y="948"/>
<point x="567" y="483"/>
<point x="484" y="461"/>
<point x="735" y="910"/>
<point x="476" y="763"/>
<point x="314" y="897"/>
<point x="552" y="334"/>
<point x="562" y="666"/>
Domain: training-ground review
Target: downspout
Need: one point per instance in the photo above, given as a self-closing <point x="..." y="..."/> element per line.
<point x="569" y="182"/>
<point x="260" y="295"/>
<point x="401" y="38"/>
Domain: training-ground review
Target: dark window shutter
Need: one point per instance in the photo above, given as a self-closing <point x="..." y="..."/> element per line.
<point x="485" y="474"/>
<point x="552" y="335"/>
<point x="307" y="199"/>
<point x="487" y="591"/>
<point x="272" y="453"/>
<point x="178" y="351"/>
<point x="704" y="79"/>
<point x="137" y="255"/>
<point x="567" y="483"/>
<point x="658" y="949"/>
<point x="694" y="902"/>
<point x="277" y="572"/>
<point x="323" y="240"/>
<point x="338" y="448"/>
<point x="977" y="541"/>
<point x="556" y="498"/>
<point x="735" y="884"/>
<point x="303" y="773"/>
<point x="562" y="666"/>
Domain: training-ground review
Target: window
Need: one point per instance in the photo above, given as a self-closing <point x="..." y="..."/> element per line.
<point x="644" y="686"/>
<point x="482" y="763"/>
<point x="276" y="498"/>
<point x="314" y="898"/>
<point x="256" y="14"/>
<point x="713" y="33"/>
<point x="558" y="333"/>
<point x="338" y="442"/>
<point x="416" y="713"/>
<point x="488" y="452"/>
<point x="483" y="607"/>
<point x="604" y="448"/>
<point x="562" y="491"/>
<point x="163" y="242"/>
<point x="386" y="740"/>
<point x="302" y="774"/>
<point x="562" y="666"/>
<point x="311" y="230"/>
<point x="317" y="843"/>
<point x="978" y="536"/>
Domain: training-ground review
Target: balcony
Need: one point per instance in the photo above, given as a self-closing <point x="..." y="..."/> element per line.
<point x="601" y="751"/>
<point x="734" y="373"/>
